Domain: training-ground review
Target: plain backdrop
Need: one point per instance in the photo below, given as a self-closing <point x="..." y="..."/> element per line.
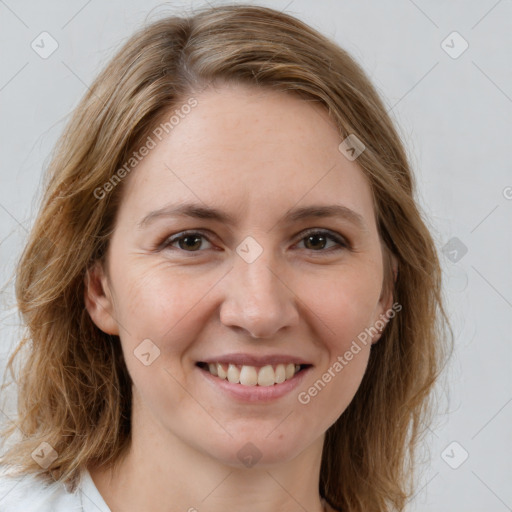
<point x="444" y="69"/>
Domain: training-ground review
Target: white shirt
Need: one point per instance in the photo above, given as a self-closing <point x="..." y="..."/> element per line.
<point x="28" y="493"/>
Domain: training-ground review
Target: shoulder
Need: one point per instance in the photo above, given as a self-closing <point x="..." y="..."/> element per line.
<point x="28" y="493"/>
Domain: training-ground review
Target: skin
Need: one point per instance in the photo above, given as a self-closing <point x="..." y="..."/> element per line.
<point x="255" y="154"/>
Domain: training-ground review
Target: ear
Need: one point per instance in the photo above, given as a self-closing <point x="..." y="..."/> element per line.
<point x="98" y="299"/>
<point x="386" y="299"/>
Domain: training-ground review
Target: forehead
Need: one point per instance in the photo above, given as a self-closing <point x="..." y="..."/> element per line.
<point x="248" y="149"/>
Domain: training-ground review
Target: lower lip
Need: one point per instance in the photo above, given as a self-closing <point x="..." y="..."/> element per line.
<point x="255" y="393"/>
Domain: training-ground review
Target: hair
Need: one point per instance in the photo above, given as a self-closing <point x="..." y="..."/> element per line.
<point x="74" y="390"/>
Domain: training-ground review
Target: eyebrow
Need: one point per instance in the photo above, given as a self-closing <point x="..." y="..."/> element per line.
<point x="199" y="211"/>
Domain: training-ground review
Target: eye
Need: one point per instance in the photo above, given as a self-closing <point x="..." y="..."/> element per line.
<point x="317" y="240"/>
<point x="189" y="241"/>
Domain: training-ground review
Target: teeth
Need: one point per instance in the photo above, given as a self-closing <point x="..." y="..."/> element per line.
<point x="266" y="376"/>
<point x="280" y="373"/>
<point x="248" y="376"/>
<point x="251" y="376"/>
<point x="221" y="373"/>
<point x="289" y="371"/>
<point x="233" y="374"/>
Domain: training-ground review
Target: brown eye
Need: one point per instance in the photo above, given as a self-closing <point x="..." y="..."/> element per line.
<point x="189" y="242"/>
<point x="316" y="240"/>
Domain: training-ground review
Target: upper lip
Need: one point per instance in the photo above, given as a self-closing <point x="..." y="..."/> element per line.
<point x="255" y="360"/>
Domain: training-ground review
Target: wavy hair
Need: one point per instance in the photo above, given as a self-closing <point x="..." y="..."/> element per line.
<point x="74" y="390"/>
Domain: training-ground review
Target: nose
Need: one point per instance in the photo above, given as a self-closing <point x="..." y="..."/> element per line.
<point x="258" y="299"/>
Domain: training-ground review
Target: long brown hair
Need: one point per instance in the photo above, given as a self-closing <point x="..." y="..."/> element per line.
<point x="74" y="390"/>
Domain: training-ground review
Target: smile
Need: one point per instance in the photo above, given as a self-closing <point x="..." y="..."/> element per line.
<point x="246" y="375"/>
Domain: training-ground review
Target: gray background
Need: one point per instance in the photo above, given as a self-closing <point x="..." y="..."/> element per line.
<point x="453" y="112"/>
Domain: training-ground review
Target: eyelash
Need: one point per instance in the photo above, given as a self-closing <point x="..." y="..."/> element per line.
<point x="343" y="244"/>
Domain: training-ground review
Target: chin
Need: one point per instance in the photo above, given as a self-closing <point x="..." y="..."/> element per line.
<point x="257" y="450"/>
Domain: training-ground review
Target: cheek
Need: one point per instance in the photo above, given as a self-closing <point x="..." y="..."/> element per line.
<point x="329" y="395"/>
<point x="345" y="304"/>
<point x="158" y="311"/>
<point x="345" y="311"/>
<point x="157" y="298"/>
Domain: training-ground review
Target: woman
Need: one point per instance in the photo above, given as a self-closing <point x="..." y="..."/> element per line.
<point x="231" y="298"/>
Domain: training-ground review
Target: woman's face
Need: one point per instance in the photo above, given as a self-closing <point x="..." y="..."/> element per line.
<point x="259" y="283"/>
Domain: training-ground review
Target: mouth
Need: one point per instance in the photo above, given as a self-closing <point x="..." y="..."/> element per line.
<point x="254" y="376"/>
